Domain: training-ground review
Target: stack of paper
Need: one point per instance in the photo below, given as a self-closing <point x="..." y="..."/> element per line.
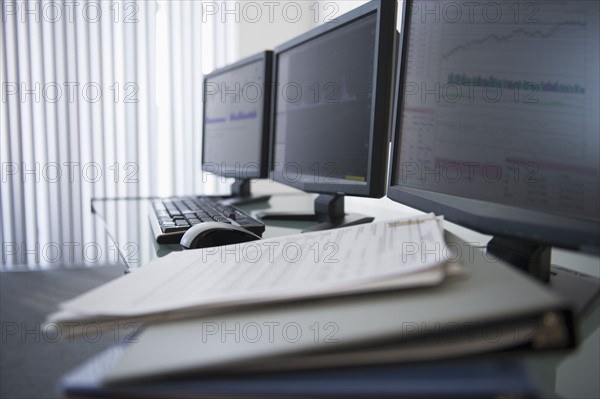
<point x="242" y="308"/>
<point x="371" y="257"/>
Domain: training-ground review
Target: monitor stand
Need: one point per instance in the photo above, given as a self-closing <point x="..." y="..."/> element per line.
<point x="241" y="195"/>
<point x="534" y="259"/>
<point x="329" y="211"/>
<point x="530" y="257"/>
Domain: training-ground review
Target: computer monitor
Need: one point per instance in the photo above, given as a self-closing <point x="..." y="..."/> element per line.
<point x="497" y="124"/>
<point x="332" y="108"/>
<point x="236" y="123"/>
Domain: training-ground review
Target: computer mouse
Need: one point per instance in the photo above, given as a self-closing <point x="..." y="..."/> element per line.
<point x="213" y="234"/>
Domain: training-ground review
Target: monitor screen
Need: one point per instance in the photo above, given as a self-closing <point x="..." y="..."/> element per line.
<point x="236" y="120"/>
<point x="498" y="124"/>
<point x="327" y="102"/>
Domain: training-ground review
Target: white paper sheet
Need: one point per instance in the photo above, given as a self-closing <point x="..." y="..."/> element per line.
<point x="324" y="263"/>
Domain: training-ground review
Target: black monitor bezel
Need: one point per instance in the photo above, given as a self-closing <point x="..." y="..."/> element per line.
<point x="267" y="58"/>
<point x="483" y="216"/>
<point x="382" y="101"/>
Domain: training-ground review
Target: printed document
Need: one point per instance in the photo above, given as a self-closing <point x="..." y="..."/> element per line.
<point x="383" y="255"/>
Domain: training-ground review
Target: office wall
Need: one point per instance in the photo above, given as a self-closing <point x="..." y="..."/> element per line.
<point x="271" y="23"/>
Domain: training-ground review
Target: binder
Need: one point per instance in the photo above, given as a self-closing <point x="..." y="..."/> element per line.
<point x="492" y="308"/>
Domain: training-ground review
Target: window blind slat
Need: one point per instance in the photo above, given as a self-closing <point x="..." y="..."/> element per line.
<point x="16" y="145"/>
<point x="112" y="96"/>
<point x="40" y="120"/>
<point x="120" y="131"/>
<point x="190" y="160"/>
<point x="71" y="104"/>
<point x="197" y="90"/>
<point x="173" y="88"/>
<point x="29" y="170"/>
<point x="63" y="148"/>
<point x="9" y="121"/>
<point x="130" y="107"/>
<point x="84" y="123"/>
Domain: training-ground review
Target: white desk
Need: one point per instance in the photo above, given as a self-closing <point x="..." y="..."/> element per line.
<point x="571" y="375"/>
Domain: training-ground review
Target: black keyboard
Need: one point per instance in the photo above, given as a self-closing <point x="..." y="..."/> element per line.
<point x="172" y="217"/>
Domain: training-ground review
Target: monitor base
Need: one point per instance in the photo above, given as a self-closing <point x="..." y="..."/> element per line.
<point x="534" y="258"/>
<point x="349" y="219"/>
<point x="253" y="199"/>
<point x="329" y="212"/>
<point x="581" y="289"/>
<point x="241" y="194"/>
<point x="287" y="217"/>
<point x="530" y="257"/>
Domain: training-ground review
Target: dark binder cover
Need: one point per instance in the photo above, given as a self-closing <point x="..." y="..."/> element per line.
<point x="465" y="378"/>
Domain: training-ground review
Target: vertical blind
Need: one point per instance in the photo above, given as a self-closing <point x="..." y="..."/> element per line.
<point x="99" y="99"/>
